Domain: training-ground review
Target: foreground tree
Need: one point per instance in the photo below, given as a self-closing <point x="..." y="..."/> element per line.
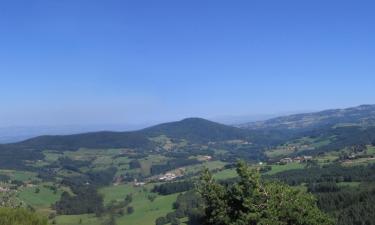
<point x="20" y="217"/>
<point x="253" y="202"/>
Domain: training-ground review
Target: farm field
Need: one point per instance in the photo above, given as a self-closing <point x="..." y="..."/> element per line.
<point x="89" y="219"/>
<point x="145" y="211"/>
<point x="39" y="196"/>
<point x="280" y="168"/>
<point x="225" y="174"/>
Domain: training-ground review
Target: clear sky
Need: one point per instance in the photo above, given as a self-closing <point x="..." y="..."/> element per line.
<point x="96" y="62"/>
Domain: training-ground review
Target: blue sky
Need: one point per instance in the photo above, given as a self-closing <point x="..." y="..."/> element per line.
<point x="105" y="62"/>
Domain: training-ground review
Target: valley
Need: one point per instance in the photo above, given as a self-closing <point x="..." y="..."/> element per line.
<point x="141" y="177"/>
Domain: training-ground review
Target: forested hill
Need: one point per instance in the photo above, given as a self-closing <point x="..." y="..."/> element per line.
<point x="96" y="140"/>
<point x="363" y="116"/>
<point x="341" y="123"/>
<point x="194" y="130"/>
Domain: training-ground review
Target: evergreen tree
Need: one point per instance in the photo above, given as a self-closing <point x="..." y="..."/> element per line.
<point x="253" y="202"/>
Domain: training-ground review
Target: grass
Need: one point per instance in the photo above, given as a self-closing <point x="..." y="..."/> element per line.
<point x="328" y="158"/>
<point x="225" y="174"/>
<point x="320" y="143"/>
<point x="52" y="156"/>
<point x="301" y="188"/>
<point x="149" y="161"/>
<point x="211" y="165"/>
<point x="300" y="144"/>
<point x="278" y="152"/>
<point x="349" y="184"/>
<point x="43" y="199"/>
<point x="360" y="161"/>
<point x="117" y="193"/>
<point x="19" y="175"/>
<point x="281" y="168"/>
<point x="145" y="211"/>
<point x="86" y="219"/>
<point x="371" y="150"/>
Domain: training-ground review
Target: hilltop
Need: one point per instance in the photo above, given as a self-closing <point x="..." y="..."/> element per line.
<point x="194" y="130"/>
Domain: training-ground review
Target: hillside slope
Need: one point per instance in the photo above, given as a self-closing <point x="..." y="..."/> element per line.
<point x="196" y="130"/>
<point x="103" y="139"/>
<point x="363" y="116"/>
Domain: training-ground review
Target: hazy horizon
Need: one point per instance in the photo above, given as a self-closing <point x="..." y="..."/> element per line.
<point x="11" y="134"/>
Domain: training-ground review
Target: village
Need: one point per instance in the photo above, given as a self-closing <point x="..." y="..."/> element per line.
<point x="170" y="175"/>
<point x="298" y="159"/>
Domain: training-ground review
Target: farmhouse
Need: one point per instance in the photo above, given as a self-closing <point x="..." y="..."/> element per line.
<point x="298" y="159"/>
<point x="205" y="158"/>
<point x="139" y="184"/>
<point x="286" y="160"/>
<point x="307" y="158"/>
<point x="3" y="189"/>
<point x="168" y="177"/>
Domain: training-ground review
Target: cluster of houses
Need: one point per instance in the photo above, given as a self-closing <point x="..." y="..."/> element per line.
<point x="139" y="184"/>
<point x="4" y="189"/>
<point x="299" y="159"/>
<point x="205" y="158"/>
<point x="168" y="177"/>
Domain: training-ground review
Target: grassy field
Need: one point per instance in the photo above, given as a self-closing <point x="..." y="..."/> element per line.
<point x="52" y="156"/>
<point x="211" y="165"/>
<point x="328" y="158"/>
<point x="88" y="219"/>
<point x="145" y="211"/>
<point x="348" y="184"/>
<point x="19" y="175"/>
<point x="43" y="199"/>
<point x="278" y="152"/>
<point x="360" y="161"/>
<point x="281" y="168"/>
<point x="371" y="150"/>
<point x="297" y="146"/>
<point x="118" y="193"/>
<point x="225" y="174"/>
<point x="319" y="142"/>
<point x="146" y="163"/>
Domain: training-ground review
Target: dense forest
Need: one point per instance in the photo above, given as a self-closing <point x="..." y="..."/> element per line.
<point x="348" y="204"/>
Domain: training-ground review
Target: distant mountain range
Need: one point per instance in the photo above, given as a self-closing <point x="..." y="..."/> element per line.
<point x="200" y="131"/>
<point x="194" y="130"/>
<point x="363" y="115"/>
<point x="13" y="134"/>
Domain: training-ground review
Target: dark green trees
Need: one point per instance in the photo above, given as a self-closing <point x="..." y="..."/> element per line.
<point x="253" y="202"/>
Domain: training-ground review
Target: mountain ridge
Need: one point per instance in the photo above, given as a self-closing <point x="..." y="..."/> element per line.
<point x="198" y="130"/>
<point x="363" y="115"/>
<point x="191" y="129"/>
